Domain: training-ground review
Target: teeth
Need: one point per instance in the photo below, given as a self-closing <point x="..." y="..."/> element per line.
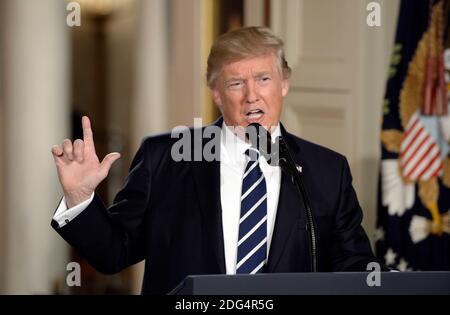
<point x="255" y="111"/>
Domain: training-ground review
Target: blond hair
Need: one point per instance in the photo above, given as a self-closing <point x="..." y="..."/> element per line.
<point x="245" y="42"/>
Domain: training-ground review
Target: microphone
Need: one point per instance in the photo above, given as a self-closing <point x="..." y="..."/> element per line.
<point x="261" y="140"/>
<point x="278" y="154"/>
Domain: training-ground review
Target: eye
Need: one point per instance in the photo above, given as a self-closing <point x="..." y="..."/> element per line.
<point x="235" y="84"/>
<point x="265" y="79"/>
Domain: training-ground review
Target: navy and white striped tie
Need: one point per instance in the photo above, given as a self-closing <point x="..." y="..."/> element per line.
<point x="252" y="244"/>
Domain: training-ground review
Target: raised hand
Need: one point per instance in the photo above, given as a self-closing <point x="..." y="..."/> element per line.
<point x="79" y="169"/>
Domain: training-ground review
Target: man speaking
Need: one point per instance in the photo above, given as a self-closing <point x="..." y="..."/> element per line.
<point x="235" y="214"/>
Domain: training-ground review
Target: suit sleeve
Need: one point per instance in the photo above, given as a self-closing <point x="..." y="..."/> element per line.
<point x="111" y="239"/>
<point x="351" y="249"/>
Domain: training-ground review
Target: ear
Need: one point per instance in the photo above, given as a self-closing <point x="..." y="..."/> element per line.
<point x="284" y="87"/>
<point x="216" y="96"/>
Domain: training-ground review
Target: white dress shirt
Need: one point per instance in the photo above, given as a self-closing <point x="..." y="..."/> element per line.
<point x="232" y="166"/>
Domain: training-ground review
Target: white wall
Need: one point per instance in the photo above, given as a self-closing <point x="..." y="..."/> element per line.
<point x="339" y="74"/>
<point x="2" y="152"/>
<point x="375" y="45"/>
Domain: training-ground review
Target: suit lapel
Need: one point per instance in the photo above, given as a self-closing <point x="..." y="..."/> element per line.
<point x="290" y="211"/>
<point x="207" y="180"/>
<point x="287" y="218"/>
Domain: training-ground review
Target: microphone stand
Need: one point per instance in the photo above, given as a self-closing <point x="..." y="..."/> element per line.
<point x="287" y="164"/>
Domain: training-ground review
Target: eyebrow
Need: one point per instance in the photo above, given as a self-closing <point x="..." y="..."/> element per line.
<point x="233" y="79"/>
<point x="257" y="75"/>
<point x="262" y="73"/>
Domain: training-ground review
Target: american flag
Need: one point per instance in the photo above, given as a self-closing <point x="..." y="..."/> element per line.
<point x="420" y="156"/>
<point x="413" y="223"/>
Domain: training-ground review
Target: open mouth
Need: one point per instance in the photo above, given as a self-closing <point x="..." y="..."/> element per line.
<point x="254" y="114"/>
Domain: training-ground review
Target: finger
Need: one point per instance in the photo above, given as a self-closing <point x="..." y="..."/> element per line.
<point x="57" y="151"/>
<point x="108" y="161"/>
<point x="78" y="150"/>
<point x="88" y="136"/>
<point x="68" y="149"/>
<point x="58" y="154"/>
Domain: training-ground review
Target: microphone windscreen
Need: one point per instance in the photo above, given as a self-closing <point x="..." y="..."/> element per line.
<point x="259" y="138"/>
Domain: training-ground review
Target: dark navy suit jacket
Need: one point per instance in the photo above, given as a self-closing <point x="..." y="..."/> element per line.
<point x="169" y="213"/>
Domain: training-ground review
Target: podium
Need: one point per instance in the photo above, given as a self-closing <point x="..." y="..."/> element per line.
<point x="320" y="283"/>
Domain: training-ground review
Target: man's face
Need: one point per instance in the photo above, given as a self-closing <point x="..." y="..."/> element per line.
<point x="251" y="91"/>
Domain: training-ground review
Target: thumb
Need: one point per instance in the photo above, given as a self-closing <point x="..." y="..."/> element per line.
<point x="108" y="161"/>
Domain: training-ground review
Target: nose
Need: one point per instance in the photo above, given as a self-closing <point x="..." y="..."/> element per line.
<point x="251" y="95"/>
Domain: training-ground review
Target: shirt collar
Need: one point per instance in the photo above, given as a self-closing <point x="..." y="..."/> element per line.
<point x="233" y="147"/>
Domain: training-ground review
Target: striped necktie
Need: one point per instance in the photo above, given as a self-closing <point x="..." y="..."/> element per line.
<point x="252" y="243"/>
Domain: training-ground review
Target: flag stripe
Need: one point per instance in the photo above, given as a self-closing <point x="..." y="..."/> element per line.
<point x="422" y="162"/>
<point x="406" y="138"/>
<point x="432" y="166"/>
<point x="416" y="158"/>
<point x="417" y="145"/>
